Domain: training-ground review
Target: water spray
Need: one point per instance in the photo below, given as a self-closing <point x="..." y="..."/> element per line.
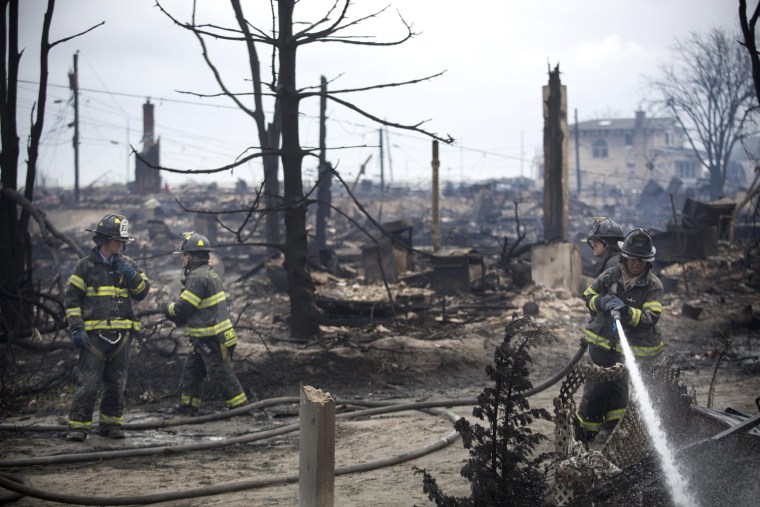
<point x="677" y="483"/>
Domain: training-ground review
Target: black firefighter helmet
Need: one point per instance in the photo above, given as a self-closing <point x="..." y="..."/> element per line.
<point x="605" y="230"/>
<point x="638" y="245"/>
<point x="194" y="242"/>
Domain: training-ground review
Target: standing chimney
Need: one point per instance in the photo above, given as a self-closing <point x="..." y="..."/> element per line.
<point x="147" y="177"/>
<point x="148" y="125"/>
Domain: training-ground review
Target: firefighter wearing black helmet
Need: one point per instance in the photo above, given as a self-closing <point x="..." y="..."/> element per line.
<point x="101" y="320"/>
<point x="603" y="240"/>
<point x="202" y="309"/>
<point x="633" y="290"/>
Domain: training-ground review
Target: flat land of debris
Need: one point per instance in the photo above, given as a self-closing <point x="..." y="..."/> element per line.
<point x="438" y="351"/>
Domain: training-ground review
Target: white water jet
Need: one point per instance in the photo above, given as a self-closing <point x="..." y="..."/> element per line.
<point x="677" y="483"/>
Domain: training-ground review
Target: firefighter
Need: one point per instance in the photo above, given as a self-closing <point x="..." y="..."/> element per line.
<point x="634" y="291"/>
<point x="99" y="311"/>
<point x="202" y="309"/>
<point x="603" y="240"/>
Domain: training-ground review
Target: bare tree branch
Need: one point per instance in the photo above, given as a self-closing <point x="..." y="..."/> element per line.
<point x="199" y="31"/>
<point x="237" y="163"/>
<point x="66" y="39"/>
<point x="415" y="128"/>
<point x="707" y="91"/>
<point x="375" y="87"/>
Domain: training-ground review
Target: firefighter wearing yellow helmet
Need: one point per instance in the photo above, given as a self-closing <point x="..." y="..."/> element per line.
<point x="101" y="320"/>
<point x="202" y="309"/>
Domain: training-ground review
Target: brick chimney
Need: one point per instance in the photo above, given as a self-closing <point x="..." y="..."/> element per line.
<point x="148" y="125"/>
<point x="640" y="119"/>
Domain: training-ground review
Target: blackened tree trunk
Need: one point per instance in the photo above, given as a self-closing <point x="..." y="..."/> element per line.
<point x="269" y="134"/>
<point x="15" y="254"/>
<point x="304" y="314"/>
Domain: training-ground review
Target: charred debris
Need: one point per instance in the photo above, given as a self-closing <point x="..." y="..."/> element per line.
<point x="365" y="274"/>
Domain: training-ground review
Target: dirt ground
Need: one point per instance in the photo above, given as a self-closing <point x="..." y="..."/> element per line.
<point x="420" y="359"/>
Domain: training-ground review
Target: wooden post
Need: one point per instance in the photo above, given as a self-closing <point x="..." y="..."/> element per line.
<point x="436" y="231"/>
<point x="316" y="466"/>
<point x="556" y="195"/>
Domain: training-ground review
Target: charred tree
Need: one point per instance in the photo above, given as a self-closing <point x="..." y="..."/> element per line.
<point x="303" y="308"/>
<point x="281" y="141"/>
<point x="17" y="294"/>
<point x="556" y="197"/>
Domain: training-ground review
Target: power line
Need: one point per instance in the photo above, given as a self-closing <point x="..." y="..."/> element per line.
<point x="135" y="96"/>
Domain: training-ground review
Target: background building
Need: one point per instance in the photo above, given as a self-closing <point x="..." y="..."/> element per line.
<point x="621" y="156"/>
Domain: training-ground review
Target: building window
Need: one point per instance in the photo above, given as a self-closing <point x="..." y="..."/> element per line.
<point x="629" y="139"/>
<point x="667" y="138"/>
<point x="600" y="148"/>
<point x="686" y="169"/>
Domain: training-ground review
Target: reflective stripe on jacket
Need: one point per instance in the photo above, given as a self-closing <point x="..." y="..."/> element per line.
<point x="202" y="305"/>
<point x="98" y="297"/>
<point x="643" y="299"/>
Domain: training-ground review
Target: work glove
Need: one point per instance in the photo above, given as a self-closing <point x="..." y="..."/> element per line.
<point x="123" y="267"/>
<point x="612" y="304"/>
<point x="80" y="338"/>
<point x="176" y="319"/>
<point x="601" y="302"/>
<point x="625" y="313"/>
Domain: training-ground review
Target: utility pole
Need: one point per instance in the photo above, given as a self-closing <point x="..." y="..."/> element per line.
<point x="323" y="188"/>
<point x="390" y="160"/>
<point x="577" y="156"/>
<point x="382" y="178"/>
<point x="522" y="153"/>
<point x="126" y="143"/>
<point x="382" y="162"/>
<point x="74" y="85"/>
<point x="436" y="232"/>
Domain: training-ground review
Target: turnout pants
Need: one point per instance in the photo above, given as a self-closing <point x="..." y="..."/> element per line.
<point x="603" y="404"/>
<point x="210" y="357"/>
<point x="106" y="363"/>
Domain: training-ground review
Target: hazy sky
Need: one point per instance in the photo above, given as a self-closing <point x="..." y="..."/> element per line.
<point x="495" y="54"/>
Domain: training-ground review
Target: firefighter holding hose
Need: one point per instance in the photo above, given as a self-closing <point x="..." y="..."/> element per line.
<point x="633" y="291"/>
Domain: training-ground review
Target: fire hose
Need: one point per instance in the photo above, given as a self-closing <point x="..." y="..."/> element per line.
<point x="17" y="484"/>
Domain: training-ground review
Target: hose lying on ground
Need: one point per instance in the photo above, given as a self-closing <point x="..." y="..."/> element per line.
<point x="245" y="409"/>
<point x="241" y="485"/>
<point x="13" y="483"/>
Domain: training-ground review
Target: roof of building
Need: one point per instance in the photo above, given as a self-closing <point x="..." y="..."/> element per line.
<point x="624" y="124"/>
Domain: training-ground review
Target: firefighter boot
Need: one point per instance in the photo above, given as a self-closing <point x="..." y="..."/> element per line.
<point x="111" y="431"/>
<point x="185" y="410"/>
<point x="582" y="435"/>
<point x="76" y="436"/>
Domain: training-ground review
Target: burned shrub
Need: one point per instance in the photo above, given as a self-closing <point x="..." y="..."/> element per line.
<point x="502" y="469"/>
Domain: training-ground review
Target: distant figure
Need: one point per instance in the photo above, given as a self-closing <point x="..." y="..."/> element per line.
<point x="99" y="311"/>
<point x="202" y="309"/>
<point x="631" y="289"/>
<point x="603" y="240"/>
